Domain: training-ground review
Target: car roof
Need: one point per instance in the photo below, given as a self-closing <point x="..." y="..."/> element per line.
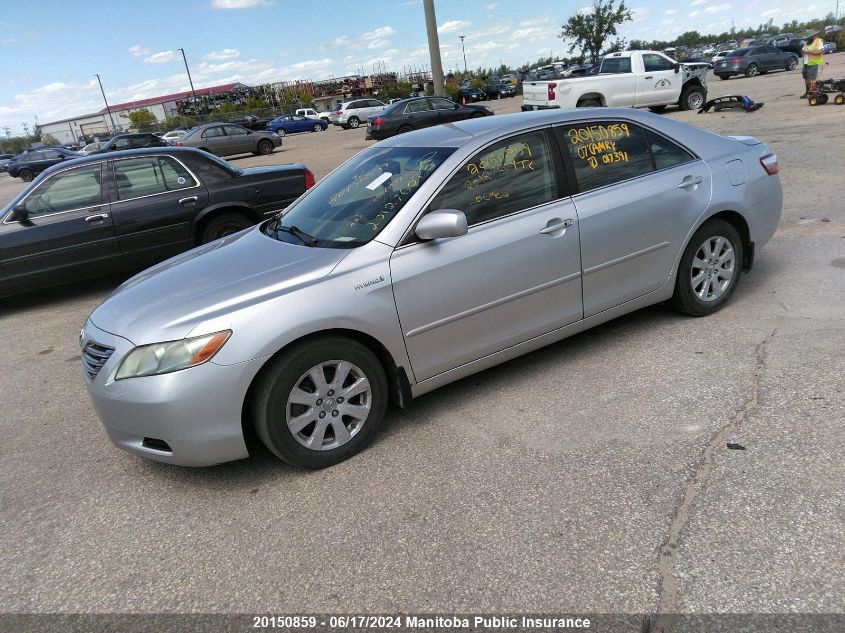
<point x="487" y="129"/>
<point x="125" y="153"/>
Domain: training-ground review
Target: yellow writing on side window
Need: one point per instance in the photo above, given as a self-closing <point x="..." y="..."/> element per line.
<point x="596" y="144"/>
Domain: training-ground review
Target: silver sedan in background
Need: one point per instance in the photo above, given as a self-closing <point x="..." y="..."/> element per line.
<point x="227" y="139"/>
<point x="425" y="258"/>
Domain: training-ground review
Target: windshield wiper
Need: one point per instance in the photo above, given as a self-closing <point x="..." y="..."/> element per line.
<point x="308" y="240"/>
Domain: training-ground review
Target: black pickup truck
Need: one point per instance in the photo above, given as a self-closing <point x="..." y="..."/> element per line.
<point x="251" y="122"/>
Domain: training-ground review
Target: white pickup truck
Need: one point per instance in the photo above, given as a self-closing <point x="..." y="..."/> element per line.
<point x="638" y="79"/>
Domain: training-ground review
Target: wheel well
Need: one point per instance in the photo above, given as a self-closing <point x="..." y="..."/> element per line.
<point x="738" y="222"/>
<point x="593" y="96"/>
<point x="693" y="82"/>
<point x="399" y="387"/>
<point x="253" y="216"/>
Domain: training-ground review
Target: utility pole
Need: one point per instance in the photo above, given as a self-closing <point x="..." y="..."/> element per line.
<point x="434" y="48"/>
<point x="99" y="81"/>
<point x="464" y="52"/>
<point x="190" y="81"/>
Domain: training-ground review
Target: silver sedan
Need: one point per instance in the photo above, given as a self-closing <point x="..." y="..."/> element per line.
<point x="225" y="139"/>
<point x="421" y="260"/>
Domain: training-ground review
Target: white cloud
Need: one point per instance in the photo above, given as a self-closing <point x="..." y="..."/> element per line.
<point x="161" y="58"/>
<point x="671" y="12"/>
<point x="453" y="26"/>
<point x="771" y="13"/>
<point x="377" y="38"/>
<point x="225" y="53"/>
<point x="138" y="51"/>
<point x="238" y="4"/>
<point x="718" y="8"/>
<point x="492" y="7"/>
<point x="698" y="3"/>
<point x="586" y="10"/>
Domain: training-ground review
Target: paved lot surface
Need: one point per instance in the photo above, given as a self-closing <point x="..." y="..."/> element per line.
<point x="592" y="475"/>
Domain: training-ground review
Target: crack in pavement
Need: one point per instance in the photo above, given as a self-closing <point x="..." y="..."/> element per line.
<point x="668" y="589"/>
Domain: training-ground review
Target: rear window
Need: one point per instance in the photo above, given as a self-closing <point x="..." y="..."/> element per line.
<point x="616" y="65"/>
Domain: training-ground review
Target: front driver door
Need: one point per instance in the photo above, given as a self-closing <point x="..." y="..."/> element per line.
<point x="68" y="235"/>
<point x="659" y="84"/>
<point x="515" y="275"/>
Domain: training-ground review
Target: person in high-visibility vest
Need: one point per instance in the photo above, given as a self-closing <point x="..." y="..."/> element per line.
<point x="813" y="59"/>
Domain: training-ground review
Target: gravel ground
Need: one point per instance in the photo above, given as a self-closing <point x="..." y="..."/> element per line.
<point x="590" y="476"/>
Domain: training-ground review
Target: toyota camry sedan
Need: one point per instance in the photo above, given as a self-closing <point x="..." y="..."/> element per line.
<point x="423" y="259"/>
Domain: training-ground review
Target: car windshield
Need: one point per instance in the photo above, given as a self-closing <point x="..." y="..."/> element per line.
<point x="352" y="205"/>
<point x="737" y="53"/>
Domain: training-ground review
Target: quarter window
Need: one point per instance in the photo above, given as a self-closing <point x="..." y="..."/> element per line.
<point x="509" y="176"/>
<point x="606" y="152"/>
<point x="136" y="177"/>
<point x="72" y="189"/>
<point x="665" y="152"/>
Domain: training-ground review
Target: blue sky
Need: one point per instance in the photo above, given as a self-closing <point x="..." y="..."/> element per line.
<point x="52" y="48"/>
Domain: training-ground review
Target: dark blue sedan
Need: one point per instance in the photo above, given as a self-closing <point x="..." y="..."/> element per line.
<point x="290" y="123"/>
<point x="28" y="165"/>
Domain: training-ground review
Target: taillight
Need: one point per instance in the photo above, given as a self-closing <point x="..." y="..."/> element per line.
<point x="378" y="121"/>
<point x="736" y="62"/>
<point x="179" y="143"/>
<point x="309" y="179"/>
<point x="770" y="164"/>
<point x="340" y="113"/>
<point x="551" y="94"/>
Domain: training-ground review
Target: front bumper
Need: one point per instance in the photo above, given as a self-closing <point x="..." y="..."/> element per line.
<point x="196" y="412"/>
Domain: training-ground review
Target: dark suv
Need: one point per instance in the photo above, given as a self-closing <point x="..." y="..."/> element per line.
<point x="135" y="140"/>
<point x="28" y="165"/>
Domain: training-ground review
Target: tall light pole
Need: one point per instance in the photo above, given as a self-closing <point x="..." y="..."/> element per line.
<point x="187" y="70"/>
<point x="99" y="81"/>
<point x="464" y="52"/>
<point x="434" y="48"/>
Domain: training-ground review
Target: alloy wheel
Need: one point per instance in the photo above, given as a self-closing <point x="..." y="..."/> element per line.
<point x="712" y="268"/>
<point x="328" y="405"/>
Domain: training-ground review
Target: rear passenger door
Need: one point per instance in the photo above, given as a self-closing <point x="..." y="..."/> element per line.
<point x="214" y="139"/>
<point x="154" y="202"/>
<point x="240" y="141"/>
<point x="419" y="113"/>
<point x="638" y="194"/>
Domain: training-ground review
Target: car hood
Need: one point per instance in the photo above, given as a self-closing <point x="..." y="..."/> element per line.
<point x="167" y="301"/>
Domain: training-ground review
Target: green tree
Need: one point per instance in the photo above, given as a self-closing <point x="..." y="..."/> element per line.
<point x="589" y="31"/>
<point x="49" y="139"/>
<point x="142" y="119"/>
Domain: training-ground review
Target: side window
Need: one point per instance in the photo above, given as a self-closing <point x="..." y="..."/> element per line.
<point x="372" y="103"/>
<point x="175" y="175"/>
<point x="52" y="154"/>
<point x="442" y="104"/>
<point x="136" y="177"/>
<point x="616" y="65"/>
<point x="233" y="130"/>
<point x="606" y="152"/>
<point x="212" y="132"/>
<point x="665" y="152"/>
<point x="654" y="63"/>
<point x="417" y="106"/>
<point x="514" y="174"/>
<point x="72" y="189"/>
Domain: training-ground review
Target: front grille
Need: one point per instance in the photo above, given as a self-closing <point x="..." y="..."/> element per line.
<point x="94" y="356"/>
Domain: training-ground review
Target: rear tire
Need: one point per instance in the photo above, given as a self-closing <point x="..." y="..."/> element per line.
<point x="839" y="99"/>
<point x="26" y="175"/>
<point x="281" y="131"/>
<point x="354" y="122"/>
<point x="710" y="269"/>
<point x="791" y="64"/>
<point x="404" y="128"/>
<point x="339" y="429"/>
<point x="752" y="71"/>
<point x="725" y="77"/>
<point x="589" y="103"/>
<point x="223" y="225"/>
<point x="657" y="109"/>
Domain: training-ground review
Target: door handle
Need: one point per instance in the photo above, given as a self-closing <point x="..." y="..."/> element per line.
<point x="690" y="181"/>
<point x="99" y="217"/>
<point x="188" y="200"/>
<point x="650" y="77"/>
<point x="556" y="225"/>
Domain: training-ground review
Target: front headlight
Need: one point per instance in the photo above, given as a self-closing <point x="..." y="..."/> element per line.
<point x="163" y="358"/>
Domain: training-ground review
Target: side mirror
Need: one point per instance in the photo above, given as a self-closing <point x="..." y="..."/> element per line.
<point x="20" y="214"/>
<point x="442" y="223"/>
<point x="677" y="67"/>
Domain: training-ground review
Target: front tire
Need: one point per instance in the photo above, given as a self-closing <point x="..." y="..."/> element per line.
<point x="710" y="269"/>
<point x="692" y="98"/>
<point x="791" y="64"/>
<point x="353" y="122"/>
<point x="657" y="109"/>
<point x="320" y="403"/>
<point x="725" y="77"/>
<point x="318" y="127"/>
<point x="265" y="147"/>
